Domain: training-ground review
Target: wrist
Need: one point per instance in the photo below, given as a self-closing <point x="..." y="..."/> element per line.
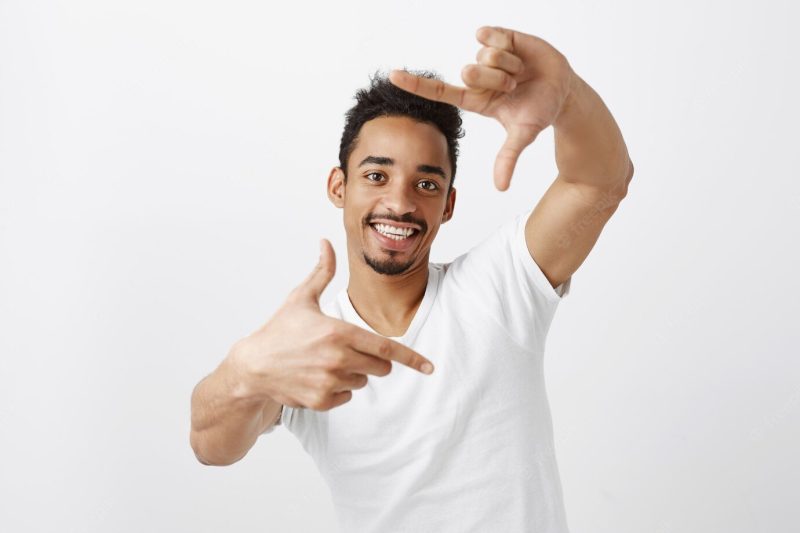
<point x="575" y="104"/>
<point x="235" y="376"/>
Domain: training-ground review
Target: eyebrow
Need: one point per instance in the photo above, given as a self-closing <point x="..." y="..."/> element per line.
<point x="388" y="161"/>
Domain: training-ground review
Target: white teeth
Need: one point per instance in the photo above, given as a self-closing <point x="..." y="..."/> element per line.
<point x="394" y="232"/>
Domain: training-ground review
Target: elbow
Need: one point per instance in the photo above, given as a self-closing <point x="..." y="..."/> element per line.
<point x="206" y="461"/>
<point x="194" y="442"/>
<point x="629" y="176"/>
<point x="203" y="456"/>
<point x="203" y="461"/>
<point x="621" y="189"/>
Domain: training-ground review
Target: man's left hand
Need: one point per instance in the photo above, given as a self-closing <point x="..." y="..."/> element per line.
<point x="520" y="80"/>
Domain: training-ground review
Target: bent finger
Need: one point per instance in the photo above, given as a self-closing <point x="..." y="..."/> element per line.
<point x="340" y="398"/>
<point x="350" y="381"/>
<point x="497" y="37"/>
<point x="483" y="77"/>
<point x="497" y="58"/>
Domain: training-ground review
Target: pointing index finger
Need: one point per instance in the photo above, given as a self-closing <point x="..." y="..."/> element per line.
<point x="430" y="88"/>
<point x="385" y="348"/>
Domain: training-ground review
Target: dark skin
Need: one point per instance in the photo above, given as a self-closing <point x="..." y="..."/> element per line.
<point x="527" y="85"/>
<point x="386" y="286"/>
<point x="302" y="357"/>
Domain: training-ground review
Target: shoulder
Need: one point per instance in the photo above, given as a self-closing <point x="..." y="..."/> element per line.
<point x="493" y="249"/>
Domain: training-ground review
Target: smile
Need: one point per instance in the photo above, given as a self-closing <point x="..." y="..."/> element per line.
<point x="394" y="238"/>
<point x="393" y="232"/>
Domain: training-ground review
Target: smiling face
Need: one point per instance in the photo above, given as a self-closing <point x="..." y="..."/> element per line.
<point x="396" y="195"/>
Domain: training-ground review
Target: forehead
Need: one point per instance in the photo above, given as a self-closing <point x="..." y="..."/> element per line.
<point x="404" y="139"/>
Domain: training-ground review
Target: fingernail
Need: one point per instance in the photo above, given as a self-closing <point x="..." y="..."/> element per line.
<point x="427" y="368"/>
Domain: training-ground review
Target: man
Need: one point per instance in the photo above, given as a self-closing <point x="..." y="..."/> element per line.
<point x="469" y="446"/>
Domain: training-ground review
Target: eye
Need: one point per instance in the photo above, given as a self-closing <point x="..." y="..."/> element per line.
<point x="373" y="174"/>
<point x="435" y="185"/>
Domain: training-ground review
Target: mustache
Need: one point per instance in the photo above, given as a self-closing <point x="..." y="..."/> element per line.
<point x="405" y="219"/>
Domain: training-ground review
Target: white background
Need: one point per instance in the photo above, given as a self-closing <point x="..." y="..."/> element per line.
<point x="162" y="188"/>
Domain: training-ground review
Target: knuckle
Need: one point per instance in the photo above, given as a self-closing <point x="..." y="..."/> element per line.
<point x="331" y="335"/>
<point x="327" y="382"/>
<point x="440" y="88"/>
<point x="347" y="395"/>
<point x="385" y="369"/>
<point x="338" y="360"/>
<point x="469" y="74"/>
<point x="330" y="362"/>
<point x="317" y="401"/>
<point x="385" y="348"/>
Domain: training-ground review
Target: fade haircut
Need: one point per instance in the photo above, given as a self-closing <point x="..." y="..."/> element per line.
<point x="384" y="99"/>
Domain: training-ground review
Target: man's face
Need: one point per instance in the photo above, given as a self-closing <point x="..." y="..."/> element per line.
<point x="398" y="174"/>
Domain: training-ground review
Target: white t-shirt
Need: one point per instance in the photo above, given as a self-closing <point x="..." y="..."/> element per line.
<point x="468" y="448"/>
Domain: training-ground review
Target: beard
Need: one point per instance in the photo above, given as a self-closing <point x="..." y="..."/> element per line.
<point x="389" y="267"/>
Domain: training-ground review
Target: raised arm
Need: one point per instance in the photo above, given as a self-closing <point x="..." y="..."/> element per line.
<point x="594" y="170"/>
<point x="527" y="85"/>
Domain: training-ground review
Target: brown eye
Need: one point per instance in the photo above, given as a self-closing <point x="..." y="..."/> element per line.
<point x="435" y="186"/>
<point x="373" y="174"/>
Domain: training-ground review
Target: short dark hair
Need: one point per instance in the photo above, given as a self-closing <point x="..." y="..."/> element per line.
<point x="384" y="99"/>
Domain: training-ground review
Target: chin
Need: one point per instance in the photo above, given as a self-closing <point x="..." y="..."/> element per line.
<point x="388" y="267"/>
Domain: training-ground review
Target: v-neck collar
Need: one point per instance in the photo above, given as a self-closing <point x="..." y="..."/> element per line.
<point x="420" y="315"/>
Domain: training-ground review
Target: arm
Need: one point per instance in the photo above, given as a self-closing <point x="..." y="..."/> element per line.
<point x="300" y="358"/>
<point x="594" y="171"/>
<point x="226" y="421"/>
<point x="527" y="85"/>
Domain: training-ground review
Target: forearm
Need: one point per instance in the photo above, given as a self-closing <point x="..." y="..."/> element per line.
<point x="589" y="146"/>
<point x="226" y="422"/>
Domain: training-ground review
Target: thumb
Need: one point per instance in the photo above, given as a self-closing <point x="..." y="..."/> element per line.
<point x="516" y="141"/>
<point x="314" y="285"/>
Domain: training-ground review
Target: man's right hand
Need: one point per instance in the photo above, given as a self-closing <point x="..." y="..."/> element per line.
<point x="304" y="358"/>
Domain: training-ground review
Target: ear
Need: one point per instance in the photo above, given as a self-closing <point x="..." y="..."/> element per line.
<point x="449" y="206"/>
<point x="336" y="187"/>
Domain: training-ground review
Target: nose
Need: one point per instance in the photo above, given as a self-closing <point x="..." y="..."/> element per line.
<point x="399" y="198"/>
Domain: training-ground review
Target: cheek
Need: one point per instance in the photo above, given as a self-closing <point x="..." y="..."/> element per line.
<point x="354" y="217"/>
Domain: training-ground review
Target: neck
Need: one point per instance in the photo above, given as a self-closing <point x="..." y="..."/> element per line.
<point x="387" y="303"/>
